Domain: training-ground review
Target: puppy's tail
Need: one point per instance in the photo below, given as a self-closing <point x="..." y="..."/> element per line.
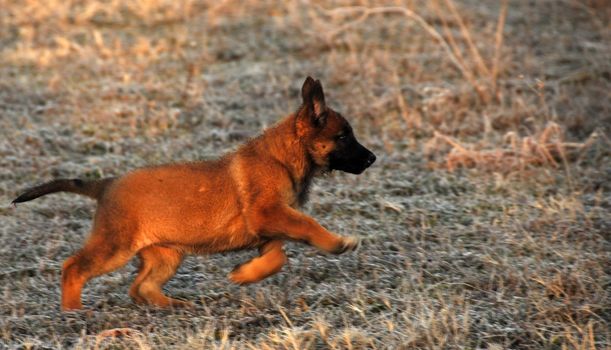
<point x="93" y="189"/>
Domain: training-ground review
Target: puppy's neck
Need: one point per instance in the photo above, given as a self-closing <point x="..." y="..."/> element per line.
<point x="282" y="143"/>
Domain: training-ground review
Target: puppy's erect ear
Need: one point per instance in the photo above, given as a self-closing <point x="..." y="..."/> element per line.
<point x="314" y="99"/>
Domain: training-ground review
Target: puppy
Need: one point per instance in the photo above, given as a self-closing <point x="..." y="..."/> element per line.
<point x="246" y="199"/>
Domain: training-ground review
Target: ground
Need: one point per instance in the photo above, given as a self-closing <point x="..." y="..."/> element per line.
<point x="485" y="221"/>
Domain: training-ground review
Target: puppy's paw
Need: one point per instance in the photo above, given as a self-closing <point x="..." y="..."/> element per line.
<point x="182" y="304"/>
<point x="240" y="275"/>
<point x="348" y="244"/>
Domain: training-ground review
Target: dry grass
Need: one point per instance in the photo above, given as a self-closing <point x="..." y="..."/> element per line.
<point x="507" y="250"/>
<point x="548" y="148"/>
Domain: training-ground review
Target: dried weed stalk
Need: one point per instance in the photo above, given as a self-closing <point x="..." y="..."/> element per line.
<point x="452" y="49"/>
<point x="547" y="148"/>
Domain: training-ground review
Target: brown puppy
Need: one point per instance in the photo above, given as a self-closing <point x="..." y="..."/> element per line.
<point x="246" y="199"/>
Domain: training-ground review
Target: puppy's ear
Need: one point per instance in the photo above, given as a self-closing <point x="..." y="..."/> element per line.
<point x="314" y="100"/>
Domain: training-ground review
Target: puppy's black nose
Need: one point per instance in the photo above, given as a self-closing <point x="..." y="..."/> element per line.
<point x="371" y="159"/>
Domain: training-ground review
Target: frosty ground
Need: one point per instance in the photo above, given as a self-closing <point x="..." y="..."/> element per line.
<point x="485" y="221"/>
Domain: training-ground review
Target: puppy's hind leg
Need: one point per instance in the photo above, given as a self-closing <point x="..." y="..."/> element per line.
<point x="270" y="261"/>
<point x="159" y="264"/>
<point x="100" y="255"/>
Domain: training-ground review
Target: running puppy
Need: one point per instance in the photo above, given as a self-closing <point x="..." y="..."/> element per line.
<point x="246" y="199"/>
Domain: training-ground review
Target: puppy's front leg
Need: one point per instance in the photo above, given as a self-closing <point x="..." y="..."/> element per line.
<point x="285" y="222"/>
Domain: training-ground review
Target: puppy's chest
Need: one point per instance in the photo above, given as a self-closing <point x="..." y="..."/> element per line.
<point x="302" y="192"/>
<point x="300" y="197"/>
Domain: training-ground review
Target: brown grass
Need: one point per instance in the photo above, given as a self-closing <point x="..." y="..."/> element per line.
<point x="508" y="250"/>
<point x="548" y="148"/>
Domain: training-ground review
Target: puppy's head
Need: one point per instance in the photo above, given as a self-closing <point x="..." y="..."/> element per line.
<point x="327" y="135"/>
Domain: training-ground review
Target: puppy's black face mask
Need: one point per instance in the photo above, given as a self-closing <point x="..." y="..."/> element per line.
<point x="349" y="155"/>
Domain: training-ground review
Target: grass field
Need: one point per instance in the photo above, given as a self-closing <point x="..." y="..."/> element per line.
<point x="485" y="222"/>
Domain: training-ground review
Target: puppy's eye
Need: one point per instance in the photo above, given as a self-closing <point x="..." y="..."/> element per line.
<point x="342" y="137"/>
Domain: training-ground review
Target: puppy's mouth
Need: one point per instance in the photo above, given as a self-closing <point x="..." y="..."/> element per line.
<point x="356" y="165"/>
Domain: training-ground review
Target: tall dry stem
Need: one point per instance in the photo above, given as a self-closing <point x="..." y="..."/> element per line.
<point x="498" y="44"/>
<point x="366" y="12"/>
